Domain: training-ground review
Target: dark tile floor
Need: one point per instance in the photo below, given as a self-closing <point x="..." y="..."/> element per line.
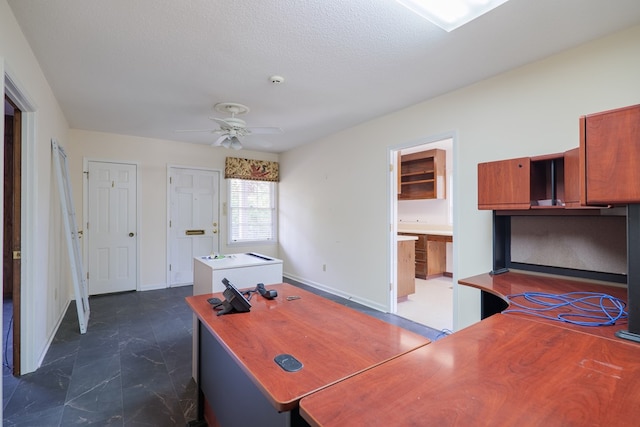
<point x="131" y="368"/>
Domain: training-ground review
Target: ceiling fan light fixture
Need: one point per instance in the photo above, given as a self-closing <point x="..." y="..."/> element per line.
<point x="450" y="14"/>
<point x="234" y="143"/>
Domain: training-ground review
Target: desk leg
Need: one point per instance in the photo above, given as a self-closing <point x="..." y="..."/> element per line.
<point x="633" y="274"/>
<point x="199" y="421"/>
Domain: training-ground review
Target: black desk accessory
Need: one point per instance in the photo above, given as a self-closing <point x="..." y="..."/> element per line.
<point x="268" y="294"/>
<point x="234" y="301"/>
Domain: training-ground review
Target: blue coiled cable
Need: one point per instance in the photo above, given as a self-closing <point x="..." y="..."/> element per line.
<point x="601" y="309"/>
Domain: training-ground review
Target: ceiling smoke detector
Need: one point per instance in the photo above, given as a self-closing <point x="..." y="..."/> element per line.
<point x="276" y="80"/>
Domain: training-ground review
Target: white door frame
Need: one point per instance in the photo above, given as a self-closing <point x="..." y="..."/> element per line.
<point x="85" y="211"/>
<point x="167" y="251"/>
<point x="29" y="359"/>
<point x="393" y="150"/>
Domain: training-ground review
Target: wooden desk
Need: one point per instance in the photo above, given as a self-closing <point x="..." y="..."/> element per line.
<point x="239" y="377"/>
<point x="510" y="283"/>
<point x="503" y="371"/>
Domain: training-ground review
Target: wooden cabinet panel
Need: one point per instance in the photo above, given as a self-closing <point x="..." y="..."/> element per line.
<point x="550" y="181"/>
<point x="504" y="184"/>
<point x="610" y="155"/>
<point x="406" y="268"/>
<point x="436" y="256"/>
<point x="572" y="178"/>
<point x="421" y="256"/>
<point x="430" y="254"/>
<point x="422" y="175"/>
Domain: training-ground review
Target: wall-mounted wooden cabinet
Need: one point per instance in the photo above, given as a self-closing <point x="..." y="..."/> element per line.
<point x="602" y="171"/>
<point x="422" y="175"/>
<point x="610" y="156"/>
<point x="543" y="182"/>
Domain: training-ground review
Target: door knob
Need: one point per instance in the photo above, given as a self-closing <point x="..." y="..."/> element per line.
<point x="131" y="234"/>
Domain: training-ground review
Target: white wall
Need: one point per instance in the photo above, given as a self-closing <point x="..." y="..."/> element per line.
<point x="153" y="156"/>
<point x="45" y="277"/>
<point x="334" y="193"/>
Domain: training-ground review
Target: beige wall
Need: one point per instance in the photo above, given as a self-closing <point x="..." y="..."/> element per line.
<point x="153" y="157"/>
<point x="45" y="278"/>
<point x="334" y="194"/>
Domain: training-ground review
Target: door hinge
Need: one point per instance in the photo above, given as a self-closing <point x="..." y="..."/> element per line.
<point x="87" y="173"/>
<point x="170" y="180"/>
<point x="87" y="275"/>
<point x="169" y="267"/>
<point x="390" y="167"/>
<point x="17" y="255"/>
<point x="169" y="223"/>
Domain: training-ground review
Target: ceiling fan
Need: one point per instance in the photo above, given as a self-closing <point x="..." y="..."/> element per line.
<point x="232" y="128"/>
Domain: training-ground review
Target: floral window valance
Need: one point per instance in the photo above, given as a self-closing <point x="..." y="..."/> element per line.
<point x="257" y="170"/>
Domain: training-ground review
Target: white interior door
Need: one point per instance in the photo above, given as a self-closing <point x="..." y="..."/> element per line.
<point x="112" y="231"/>
<point x="193" y="220"/>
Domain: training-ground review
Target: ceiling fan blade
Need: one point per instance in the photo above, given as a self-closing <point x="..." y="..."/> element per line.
<point x="222" y="122"/>
<point x="264" y="130"/>
<point x="196" y="130"/>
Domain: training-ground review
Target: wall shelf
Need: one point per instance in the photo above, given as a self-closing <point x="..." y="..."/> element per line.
<point x="422" y="175"/>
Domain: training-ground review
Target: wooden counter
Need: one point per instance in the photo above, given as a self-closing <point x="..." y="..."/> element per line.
<point x="332" y="341"/>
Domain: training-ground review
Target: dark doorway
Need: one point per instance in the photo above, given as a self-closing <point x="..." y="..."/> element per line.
<point x="11" y="252"/>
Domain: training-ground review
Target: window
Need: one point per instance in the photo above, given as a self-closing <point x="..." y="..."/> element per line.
<point x="252" y="211"/>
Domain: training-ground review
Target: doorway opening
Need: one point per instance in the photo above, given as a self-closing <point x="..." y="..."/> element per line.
<point x="422" y="224"/>
<point x="11" y="245"/>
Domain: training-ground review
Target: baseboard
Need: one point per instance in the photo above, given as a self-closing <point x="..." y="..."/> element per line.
<point x="49" y="341"/>
<point x="337" y="292"/>
<point x="153" y="287"/>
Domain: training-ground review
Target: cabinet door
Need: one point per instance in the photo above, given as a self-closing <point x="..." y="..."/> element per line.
<point x="406" y="268"/>
<point x="610" y="155"/>
<point x="572" y="178"/>
<point x="504" y="184"/>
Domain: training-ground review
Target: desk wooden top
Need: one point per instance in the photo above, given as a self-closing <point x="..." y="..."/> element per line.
<point x="332" y="341"/>
<point x="502" y="371"/>
<point x="511" y="283"/>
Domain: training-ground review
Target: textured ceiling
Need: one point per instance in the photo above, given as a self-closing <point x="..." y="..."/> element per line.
<point x="151" y="67"/>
